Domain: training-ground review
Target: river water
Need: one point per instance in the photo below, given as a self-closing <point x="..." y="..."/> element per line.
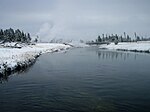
<point x="80" y="80"/>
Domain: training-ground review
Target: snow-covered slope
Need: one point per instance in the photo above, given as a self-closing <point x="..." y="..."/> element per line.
<point x="10" y="57"/>
<point x="78" y="44"/>
<point x="129" y="46"/>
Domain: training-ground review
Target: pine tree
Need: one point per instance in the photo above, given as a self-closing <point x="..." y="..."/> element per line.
<point x="138" y="38"/>
<point x="121" y="39"/>
<point x="9" y="35"/>
<point x="36" y="39"/>
<point x="1" y="32"/>
<point x="103" y="38"/>
<point x="99" y="39"/>
<point x="135" y="35"/>
<point x="116" y="36"/>
<point x="1" y="35"/>
<point x="106" y="37"/>
<point x="128" y="38"/>
<point x="124" y="34"/>
<point x="18" y="35"/>
<point x="28" y="37"/>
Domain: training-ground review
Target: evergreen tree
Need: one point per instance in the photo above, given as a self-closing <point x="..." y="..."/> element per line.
<point x="103" y="38"/>
<point x="116" y="36"/>
<point x="106" y="37"/>
<point x="18" y="35"/>
<point x="121" y="39"/>
<point x="124" y="34"/>
<point x="9" y="35"/>
<point x="1" y="35"/>
<point x="99" y="39"/>
<point x="36" y="39"/>
<point x="96" y="40"/>
<point x="135" y="35"/>
<point x="138" y="38"/>
<point x="28" y="37"/>
<point x="128" y="38"/>
<point x="1" y="32"/>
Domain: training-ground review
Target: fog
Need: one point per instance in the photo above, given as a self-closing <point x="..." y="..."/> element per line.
<point x="76" y="19"/>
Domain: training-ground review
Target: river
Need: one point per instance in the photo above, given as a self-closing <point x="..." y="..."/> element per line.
<point x="80" y="80"/>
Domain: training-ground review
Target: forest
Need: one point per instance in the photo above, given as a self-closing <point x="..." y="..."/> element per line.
<point x="11" y="35"/>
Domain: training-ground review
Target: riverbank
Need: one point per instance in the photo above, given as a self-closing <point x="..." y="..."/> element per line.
<point x="12" y="59"/>
<point x="143" y="46"/>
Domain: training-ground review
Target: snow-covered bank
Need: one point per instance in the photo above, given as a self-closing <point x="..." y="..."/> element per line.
<point x="129" y="46"/>
<point x="78" y="44"/>
<point x="11" y="58"/>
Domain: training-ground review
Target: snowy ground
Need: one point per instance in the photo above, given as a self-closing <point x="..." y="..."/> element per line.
<point x="12" y="56"/>
<point x="129" y="46"/>
<point x="78" y="44"/>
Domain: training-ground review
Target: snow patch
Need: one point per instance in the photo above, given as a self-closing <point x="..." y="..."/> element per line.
<point x="129" y="46"/>
<point x="10" y="57"/>
<point x="78" y="44"/>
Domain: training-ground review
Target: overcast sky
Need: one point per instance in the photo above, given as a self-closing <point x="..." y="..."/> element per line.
<point x="76" y="19"/>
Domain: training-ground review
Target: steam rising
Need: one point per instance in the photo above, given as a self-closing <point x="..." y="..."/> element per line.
<point x="76" y="19"/>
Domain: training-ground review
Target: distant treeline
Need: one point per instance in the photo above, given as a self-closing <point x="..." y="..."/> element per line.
<point x="120" y="38"/>
<point x="11" y="35"/>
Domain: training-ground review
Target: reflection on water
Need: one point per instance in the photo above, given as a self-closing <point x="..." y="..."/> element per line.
<point x="81" y="80"/>
<point x="5" y="77"/>
<point x="105" y="54"/>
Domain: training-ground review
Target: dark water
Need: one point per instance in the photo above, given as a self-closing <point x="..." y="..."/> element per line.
<point x="80" y="80"/>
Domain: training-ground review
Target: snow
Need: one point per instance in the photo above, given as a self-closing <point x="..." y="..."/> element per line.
<point x="13" y="44"/>
<point x="129" y="46"/>
<point x="12" y="56"/>
<point x="78" y="44"/>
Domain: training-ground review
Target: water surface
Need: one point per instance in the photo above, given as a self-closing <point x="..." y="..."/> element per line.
<point x="81" y="80"/>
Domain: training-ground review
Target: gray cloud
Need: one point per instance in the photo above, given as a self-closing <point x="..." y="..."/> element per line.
<point x="76" y="19"/>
